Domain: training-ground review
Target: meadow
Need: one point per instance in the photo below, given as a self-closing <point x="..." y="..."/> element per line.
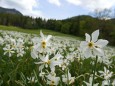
<point x="48" y="58"/>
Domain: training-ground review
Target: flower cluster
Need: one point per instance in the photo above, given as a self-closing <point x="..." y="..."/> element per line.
<point x="61" y="60"/>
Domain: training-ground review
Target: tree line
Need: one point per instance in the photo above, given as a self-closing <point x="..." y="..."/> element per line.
<point x="77" y="25"/>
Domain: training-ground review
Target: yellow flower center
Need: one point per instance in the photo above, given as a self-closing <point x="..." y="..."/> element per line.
<point x="13" y="46"/>
<point x="8" y="50"/>
<point x="43" y="44"/>
<point x="52" y="83"/>
<point x="31" y="47"/>
<point x="48" y="62"/>
<point x="90" y="44"/>
<point x="71" y="81"/>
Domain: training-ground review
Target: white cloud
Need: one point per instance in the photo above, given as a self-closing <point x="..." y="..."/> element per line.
<point x="26" y="7"/>
<point x="55" y="2"/>
<point x="75" y="2"/>
<point x="93" y="4"/>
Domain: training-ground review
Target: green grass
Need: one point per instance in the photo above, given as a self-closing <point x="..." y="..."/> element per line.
<point x="45" y="31"/>
<point x="14" y="71"/>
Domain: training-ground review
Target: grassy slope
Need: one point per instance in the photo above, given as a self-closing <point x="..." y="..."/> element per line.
<point x="54" y="33"/>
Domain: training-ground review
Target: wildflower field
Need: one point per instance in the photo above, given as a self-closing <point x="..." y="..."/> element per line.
<point x="47" y="60"/>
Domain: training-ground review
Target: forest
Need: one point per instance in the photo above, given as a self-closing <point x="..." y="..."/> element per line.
<point x="76" y="25"/>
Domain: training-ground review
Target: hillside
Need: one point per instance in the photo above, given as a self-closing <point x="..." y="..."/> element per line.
<point x="47" y="32"/>
<point x="9" y="11"/>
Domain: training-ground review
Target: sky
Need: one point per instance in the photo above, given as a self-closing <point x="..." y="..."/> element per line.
<point x="57" y="9"/>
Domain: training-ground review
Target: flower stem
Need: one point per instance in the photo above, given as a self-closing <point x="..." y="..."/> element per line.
<point x="94" y="70"/>
<point x="67" y="77"/>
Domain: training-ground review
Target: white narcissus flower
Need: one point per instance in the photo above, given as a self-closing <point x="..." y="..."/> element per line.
<point x="45" y="62"/>
<point x="57" y="57"/>
<point x="106" y="83"/>
<point x="42" y="75"/>
<point x="34" y="53"/>
<point x="106" y="60"/>
<point x="32" y="79"/>
<point x="64" y="64"/>
<point x="90" y="82"/>
<point x="41" y="45"/>
<point x="106" y="73"/>
<point x="44" y="41"/>
<point x="70" y="57"/>
<point x="113" y="83"/>
<point x="20" y="53"/>
<point x="67" y="79"/>
<point x="13" y="43"/>
<point x="52" y="80"/>
<point x="1" y="41"/>
<point x="92" y="46"/>
<point x="8" y="50"/>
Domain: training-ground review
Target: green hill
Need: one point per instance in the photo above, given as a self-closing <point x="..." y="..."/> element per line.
<point x="9" y="11"/>
<point x="45" y="31"/>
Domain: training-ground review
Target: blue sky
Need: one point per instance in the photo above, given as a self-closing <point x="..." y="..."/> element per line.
<point x="64" y="11"/>
<point x="57" y="9"/>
